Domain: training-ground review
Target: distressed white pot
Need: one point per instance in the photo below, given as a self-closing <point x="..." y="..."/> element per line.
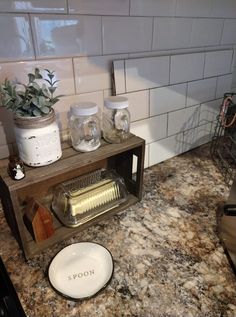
<point x="38" y="139"/>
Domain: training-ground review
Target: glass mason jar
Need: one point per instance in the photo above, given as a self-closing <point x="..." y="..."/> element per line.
<point x="84" y="126"/>
<point x="116" y="119"/>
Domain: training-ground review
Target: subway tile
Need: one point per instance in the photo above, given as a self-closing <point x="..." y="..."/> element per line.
<point x="223" y="9"/>
<point x="229" y="32"/>
<point x="63" y="72"/>
<point x="218" y="63"/>
<point x="171" y="33"/>
<point x="93" y="73"/>
<point x="205" y="133"/>
<point x="42" y="6"/>
<point x="119" y="76"/>
<point x="190" y="139"/>
<point x="5" y="150"/>
<point x="182" y="120"/>
<point x="66" y="35"/>
<point x="138" y="104"/>
<point x="126" y="34"/>
<point x="197" y="136"/>
<point x="101" y="7"/>
<point x="152" y="7"/>
<point x="209" y="111"/>
<point x="165" y="149"/>
<point x="63" y="106"/>
<point x="144" y="73"/>
<point x="201" y="91"/>
<point x="151" y="129"/>
<point x="224" y="84"/>
<point x="15" y="38"/>
<point x="167" y="99"/>
<point x="206" y="32"/>
<point x="186" y="67"/>
<point x="193" y="8"/>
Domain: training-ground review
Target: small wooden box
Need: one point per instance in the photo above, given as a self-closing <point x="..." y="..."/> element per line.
<point x="40" y="183"/>
<point x="38" y="220"/>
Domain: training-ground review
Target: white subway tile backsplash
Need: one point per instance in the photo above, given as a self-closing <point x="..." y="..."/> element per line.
<point x="164" y="149"/>
<point x="138" y="104"/>
<point x="186" y="67"/>
<point x="42" y="6"/>
<point x="206" y="32"/>
<point x="66" y="35"/>
<point x="101" y="7"/>
<point x="144" y="73"/>
<point x="93" y="73"/>
<point x="205" y="133"/>
<point x="151" y="129"/>
<point x="209" y="111"/>
<point x="223" y="9"/>
<point x="15" y="38"/>
<point x="171" y="33"/>
<point x="218" y="63"/>
<point x="182" y="120"/>
<point x="190" y="139"/>
<point x="126" y="34"/>
<point x="201" y="91"/>
<point x="152" y="7"/>
<point x="224" y="84"/>
<point x="119" y="76"/>
<point x="197" y="136"/>
<point x="167" y="99"/>
<point x="193" y="8"/>
<point x="63" y="71"/>
<point x="229" y="32"/>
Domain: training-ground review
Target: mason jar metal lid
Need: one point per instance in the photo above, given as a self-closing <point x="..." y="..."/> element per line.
<point x="84" y="109"/>
<point x="116" y="102"/>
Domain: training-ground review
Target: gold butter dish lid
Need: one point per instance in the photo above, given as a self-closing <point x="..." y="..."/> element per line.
<point x="83" y="198"/>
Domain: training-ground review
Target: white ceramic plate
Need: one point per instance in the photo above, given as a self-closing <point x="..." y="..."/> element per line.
<point x="81" y="270"/>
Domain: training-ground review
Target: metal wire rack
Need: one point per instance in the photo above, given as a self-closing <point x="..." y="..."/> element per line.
<point x="223" y="145"/>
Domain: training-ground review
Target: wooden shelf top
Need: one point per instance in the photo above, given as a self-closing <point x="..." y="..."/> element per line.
<point x="70" y="160"/>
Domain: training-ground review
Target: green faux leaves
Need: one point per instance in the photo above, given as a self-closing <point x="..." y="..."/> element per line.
<point x="32" y="99"/>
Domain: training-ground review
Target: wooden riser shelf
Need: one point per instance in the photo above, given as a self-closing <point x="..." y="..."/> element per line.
<point x="65" y="232"/>
<point x="40" y="182"/>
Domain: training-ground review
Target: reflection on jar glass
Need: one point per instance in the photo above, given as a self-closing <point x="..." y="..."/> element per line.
<point x="84" y="127"/>
<point x="116" y="119"/>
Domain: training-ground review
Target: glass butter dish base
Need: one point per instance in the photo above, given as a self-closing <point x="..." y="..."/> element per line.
<point x="83" y="198"/>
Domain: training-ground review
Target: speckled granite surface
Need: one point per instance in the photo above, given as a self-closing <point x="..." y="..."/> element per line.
<point x="167" y="255"/>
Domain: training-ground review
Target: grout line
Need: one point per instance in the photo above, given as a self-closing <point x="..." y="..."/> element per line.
<point x="33" y="38"/>
<point x="73" y="72"/>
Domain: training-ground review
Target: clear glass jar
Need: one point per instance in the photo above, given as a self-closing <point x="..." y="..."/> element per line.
<point x="116" y="119"/>
<point x="84" y="126"/>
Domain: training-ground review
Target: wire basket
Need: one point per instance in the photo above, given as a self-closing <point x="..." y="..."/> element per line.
<point x="223" y="145"/>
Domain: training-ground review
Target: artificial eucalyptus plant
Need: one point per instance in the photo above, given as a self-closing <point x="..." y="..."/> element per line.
<point x="30" y="100"/>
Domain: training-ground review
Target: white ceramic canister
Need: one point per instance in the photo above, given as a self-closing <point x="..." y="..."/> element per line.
<point x="38" y="139"/>
<point x="84" y="126"/>
<point x="116" y="119"/>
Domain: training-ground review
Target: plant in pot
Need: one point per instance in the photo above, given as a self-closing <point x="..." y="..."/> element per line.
<point x="35" y="127"/>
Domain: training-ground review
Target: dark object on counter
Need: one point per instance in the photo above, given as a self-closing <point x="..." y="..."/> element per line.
<point x="16" y="168"/>
<point x="227" y="227"/>
<point x="10" y="305"/>
<point x="223" y="145"/>
<point x="38" y="220"/>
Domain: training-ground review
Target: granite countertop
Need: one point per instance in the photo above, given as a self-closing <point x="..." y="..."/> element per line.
<point x="168" y="260"/>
